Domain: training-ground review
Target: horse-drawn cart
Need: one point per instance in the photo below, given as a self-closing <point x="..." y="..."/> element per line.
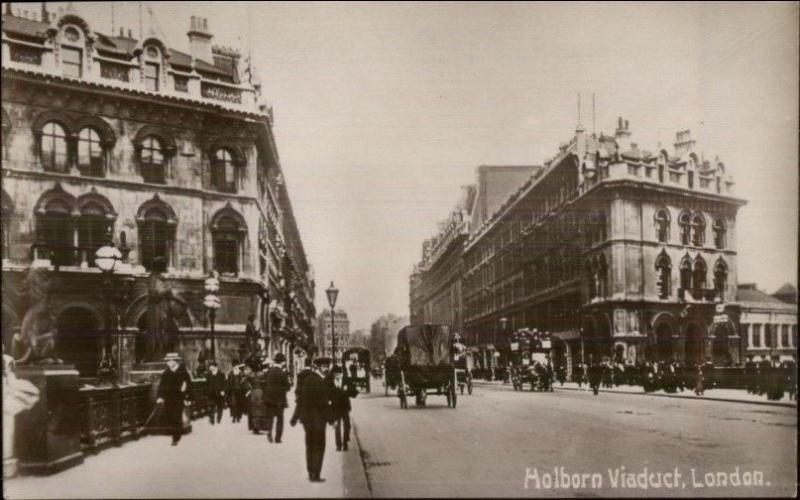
<point x="425" y="357"/>
<point x="356" y="365"/>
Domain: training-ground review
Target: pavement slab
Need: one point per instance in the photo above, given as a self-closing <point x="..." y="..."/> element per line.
<point x="219" y="461"/>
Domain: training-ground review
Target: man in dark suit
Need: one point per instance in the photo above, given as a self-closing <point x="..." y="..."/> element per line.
<point x="175" y="386"/>
<point x="215" y="387"/>
<point x="276" y="385"/>
<point x="314" y="411"/>
<point x="341" y="392"/>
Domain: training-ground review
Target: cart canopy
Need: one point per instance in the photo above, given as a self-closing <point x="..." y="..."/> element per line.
<point x="425" y="345"/>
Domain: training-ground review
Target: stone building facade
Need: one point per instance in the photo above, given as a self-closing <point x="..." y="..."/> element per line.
<point x="768" y="322"/>
<point x="617" y="251"/>
<point x="341" y="328"/>
<point x="173" y="155"/>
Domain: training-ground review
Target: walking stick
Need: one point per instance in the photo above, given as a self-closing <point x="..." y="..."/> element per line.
<point x="158" y="406"/>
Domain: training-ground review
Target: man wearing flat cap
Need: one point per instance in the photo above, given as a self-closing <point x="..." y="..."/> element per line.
<point x="175" y="386"/>
<point x="276" y="385"/>
<point x="314" y="411"/>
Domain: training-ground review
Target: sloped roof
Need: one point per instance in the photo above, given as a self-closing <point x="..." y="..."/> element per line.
<point x="757" y="298"/>
<point x="786" y="289"/>
<point x="25" y="27"/>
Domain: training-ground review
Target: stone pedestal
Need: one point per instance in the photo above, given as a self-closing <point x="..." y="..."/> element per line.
<point x="47" y="437"/>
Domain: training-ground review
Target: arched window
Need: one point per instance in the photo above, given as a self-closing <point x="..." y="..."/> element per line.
<point x="94" y="230"/>
<point x="663" y="275"/>
<point x="590" y="278"/>
<point x="662" y="225"/>
<point x="53" y="148"/>
<point x="55" y="235"/>
<point x="223" y="171"/>
<point x="686" y="273"/>
<point x="720" y="277"/>
<point x="227" y="245"/>
<point x="156" y="236"/>
<point x="685" y="224"/>
<point x="698" y="230"/>
<point x="7" y="215"/>
<point x="602" y="276"/>
<point x="91" y="157"/>
<point x="699" y="274"/>
<point x="720" y="230"/>
<point x="151" y="161"/>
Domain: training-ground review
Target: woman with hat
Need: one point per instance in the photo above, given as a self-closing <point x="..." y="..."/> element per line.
<point x="175" y="386"/>
<point x="257" y="415"/>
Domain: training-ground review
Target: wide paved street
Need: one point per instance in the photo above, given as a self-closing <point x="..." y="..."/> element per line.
<point x="485" y="446"/>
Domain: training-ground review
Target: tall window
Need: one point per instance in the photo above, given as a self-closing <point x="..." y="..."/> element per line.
<point x="155" y="238"/>
<point x="663" y="275"/>
<point x="602" y="276"/>
<point x="686" y="274"/>
<point x="785" y="336"/>
<point x="94" y="229"/>
<point x="757" y="335"/>
<point x="55" y="238"/>
<point x="590" y="277"/>
<point x="698" y="230"/>
<point x="699" y="274"/>
<point x="720" y="231"/>
<point x="720" y="277"/>
<point x="223" y="171"/>
<point x="72" y="61"/>
<point x="228" y="234"/>
<point x="151" y="161"/>
<point x="53" y="148"/>
<point x="662" y="226"/>
<point x="684" y="222"/>
<point x="151" y="75"/>
<point x="91" y="159"/>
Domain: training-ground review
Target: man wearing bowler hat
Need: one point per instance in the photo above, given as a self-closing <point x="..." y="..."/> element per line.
<point x="314" y="411"/>
<point x="276" y="385"/>
<point x="174" y="387"/>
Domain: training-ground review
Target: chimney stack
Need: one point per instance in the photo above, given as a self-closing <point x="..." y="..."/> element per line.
<point x="622" y="135"/>
<point x="45" y="14"/>
<point x="684" y="144"/>
<point x="130" y="33"/>
<point x="200" y="39"/>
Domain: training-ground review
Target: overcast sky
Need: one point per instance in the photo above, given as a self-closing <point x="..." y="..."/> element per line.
<point x="383" y="110"/>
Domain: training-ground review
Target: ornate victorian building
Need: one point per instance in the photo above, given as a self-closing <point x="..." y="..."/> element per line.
<point x="619" y="252"/>
<point x="173" y="154"/>
<point x="341" y="327"/>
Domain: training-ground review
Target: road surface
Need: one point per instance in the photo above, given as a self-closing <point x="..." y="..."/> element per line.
<point x="498" y="442"/>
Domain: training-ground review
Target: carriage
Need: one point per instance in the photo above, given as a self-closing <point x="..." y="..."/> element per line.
<point x="530" y="356"/>
<point x="391" y="374"/>
<point x="425" y="356"/>
<point x="356" y="365"/>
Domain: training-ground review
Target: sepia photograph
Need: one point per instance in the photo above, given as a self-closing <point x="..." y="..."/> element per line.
<point x="399" y="249"/>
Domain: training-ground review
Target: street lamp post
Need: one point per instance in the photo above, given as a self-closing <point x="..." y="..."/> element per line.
<point x="212" y="303"/>
<point x="106" y="258"/>
<point x="496" y="354"/>
<point x="333" y="293"/>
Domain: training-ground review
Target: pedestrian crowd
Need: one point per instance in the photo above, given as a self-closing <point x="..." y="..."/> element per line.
<point x="765" y="378"/>
<point x="259" y="391"/>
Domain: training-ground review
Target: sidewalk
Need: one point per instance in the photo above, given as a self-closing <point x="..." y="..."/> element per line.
<point x="220" y="461"/>
<point x="728" y="395"/>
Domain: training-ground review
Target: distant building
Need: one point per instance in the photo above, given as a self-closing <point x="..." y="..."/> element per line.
<point x="359" y="338"/>
<point x="768" y="324"/>
<point x="383" y="336"/>
<point x="341" y="326"/>
<point x="620" y="252"/>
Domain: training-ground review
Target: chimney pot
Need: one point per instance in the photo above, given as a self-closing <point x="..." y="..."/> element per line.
<point x="620" y="122"/>
<point x="130" y="33"/>
<point x="626" y="124"/>
<point x="121" y="32"/>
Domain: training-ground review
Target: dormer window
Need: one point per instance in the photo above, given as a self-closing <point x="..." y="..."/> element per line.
<point x="71" y="61"/>
<point x="152" y="68"/>
<point x="151" y="71"/>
